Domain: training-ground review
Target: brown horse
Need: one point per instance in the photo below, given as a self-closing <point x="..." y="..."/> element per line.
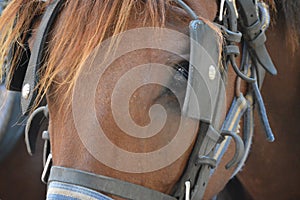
<point x="272" y="170"/>
<point x="80" y="27"/>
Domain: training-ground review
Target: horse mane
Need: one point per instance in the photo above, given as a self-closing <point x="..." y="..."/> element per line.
<point x="288" y="11"/>
<point x="290" y="8"/>
<point x="15" y="24"/>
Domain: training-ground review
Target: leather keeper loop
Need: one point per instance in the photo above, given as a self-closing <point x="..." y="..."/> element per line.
<point x="231" y="36"/>
<point x="231" y="50"/>
<point x="206" y="160"/>
<point x="258" y="41"/>
<point x="253" y="29"/>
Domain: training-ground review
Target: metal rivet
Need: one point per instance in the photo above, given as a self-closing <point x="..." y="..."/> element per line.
<point x="212" y="72"/>
<point x="26" y="91"/>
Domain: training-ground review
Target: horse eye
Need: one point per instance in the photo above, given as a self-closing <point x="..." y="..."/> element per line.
<point x="182" y="70"/>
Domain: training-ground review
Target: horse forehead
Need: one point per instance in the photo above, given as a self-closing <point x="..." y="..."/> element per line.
<point x="204" y="8"/>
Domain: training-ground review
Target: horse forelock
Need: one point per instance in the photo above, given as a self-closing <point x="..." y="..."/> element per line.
<point x="82" y="25"/>
<point x="76" y="36"/>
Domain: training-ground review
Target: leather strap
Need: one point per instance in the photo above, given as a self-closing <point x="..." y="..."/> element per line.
<point x="208" y="145"/>
<point x="250" y="20"/>
<point x="105" y="184"/>
<point x="36" y="58"/>
<point x="231" y="50"/>
<point x="247" y="133"/>
<point x="231" y="36"/>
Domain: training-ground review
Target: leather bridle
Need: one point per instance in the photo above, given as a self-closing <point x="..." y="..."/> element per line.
<point x="204" y="81"/>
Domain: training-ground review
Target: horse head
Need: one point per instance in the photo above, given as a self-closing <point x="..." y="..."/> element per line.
<point x="138" y="92"/>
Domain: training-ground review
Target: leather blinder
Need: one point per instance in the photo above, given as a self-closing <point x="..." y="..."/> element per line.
<point x="204" y="76"/>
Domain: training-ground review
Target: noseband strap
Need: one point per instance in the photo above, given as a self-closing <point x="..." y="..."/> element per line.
<point x="105" y="184"/>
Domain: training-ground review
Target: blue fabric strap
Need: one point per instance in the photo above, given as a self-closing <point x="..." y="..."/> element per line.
<point x="64" y="191"/>
<point x="263" y="113"/>
<point x="237" y="110"/>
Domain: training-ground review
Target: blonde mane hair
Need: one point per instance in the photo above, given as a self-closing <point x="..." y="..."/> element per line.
<point x="15" y="23"/>
<point x="83" y="25"/>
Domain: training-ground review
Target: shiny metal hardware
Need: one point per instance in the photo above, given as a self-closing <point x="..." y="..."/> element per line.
<point x="212" y="72"/>
<point x="46" y="170"/>
<point x="187" y="190"/>
<point x="222" y="4"/>
<point x="26" y="91"/>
